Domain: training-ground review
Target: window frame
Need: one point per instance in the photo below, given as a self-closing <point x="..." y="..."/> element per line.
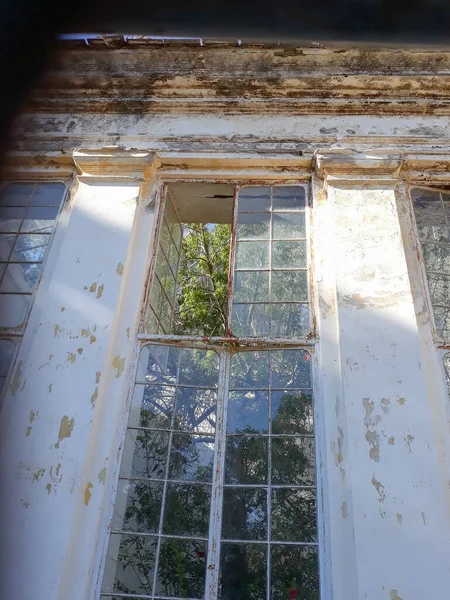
<point x="16" y="334"/>
<point x="309" y="343"/>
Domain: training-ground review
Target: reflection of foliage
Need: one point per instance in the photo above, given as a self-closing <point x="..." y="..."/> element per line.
<point x="294" y="569"/>
<point x="187" y="509"/>
<point x="181" y="570"/>
<point x="137" y="560"/>
<point x="203" y="279"/>
<point x="243" y="571"/>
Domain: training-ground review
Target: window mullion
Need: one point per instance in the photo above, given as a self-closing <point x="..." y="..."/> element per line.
<point x="215" y="521"/>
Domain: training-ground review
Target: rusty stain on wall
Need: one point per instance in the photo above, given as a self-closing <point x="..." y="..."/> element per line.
<point x="65" y="429"/>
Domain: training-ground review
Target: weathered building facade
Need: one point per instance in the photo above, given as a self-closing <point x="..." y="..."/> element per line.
<point x="360" y="139"/>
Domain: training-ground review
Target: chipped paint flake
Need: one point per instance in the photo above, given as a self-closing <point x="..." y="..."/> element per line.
<point x="424" y="518"/>
<point x="119" y="269"/>
<point x="17" y="375"/>
<point x="97" y="376"/>
<point x="395" y="596"/>
<point x="344" y="510"/>
<point x="49" y="487"/>
<point x="92" y="339"/>
<point x="56" y="330"/>
<point x="65" y="429"/>
<point x="391" y="440"/>
<point x="380" y="489"/>
<point x="399" y="518"/>
<point x="119" y="366"/>
<point x="100" y="290"/>
<point x="85" y="333"/>
<point x="408" y="441"/>
<point x="88" y="493"/>
<point x="38" y="474"/>
<point x="50" y="387"/>
<point x="63" y="308"/>
<point x="93" y="287"/>
<point x="94" y="397"/>
<point x="29" y="428"/>
<point x="32" y="415"/>
<point x="71" y="357"/>
<point x="102" y="476"/>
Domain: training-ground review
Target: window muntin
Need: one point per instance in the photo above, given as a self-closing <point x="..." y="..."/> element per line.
<point x="28" y="212"/>
<point x="217" y="488"/>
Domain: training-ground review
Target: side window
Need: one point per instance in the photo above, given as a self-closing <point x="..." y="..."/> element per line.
<point x="432" y="211"/>
<point x="28" y="212"/>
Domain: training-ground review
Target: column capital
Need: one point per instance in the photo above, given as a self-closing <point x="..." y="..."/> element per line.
<point x="352" y="167"/>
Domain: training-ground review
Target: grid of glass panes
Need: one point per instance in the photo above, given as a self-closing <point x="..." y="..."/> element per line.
<point x="432" y="212"/>
<point x="158" y="545"/>
<point x="271" y="278"/>
<point x="269" y="533"/>
<point x="163" y="295"/>
<point x="28" y="211"/>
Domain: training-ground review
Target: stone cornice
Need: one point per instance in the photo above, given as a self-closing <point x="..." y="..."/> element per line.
<point x="172" y="78"/>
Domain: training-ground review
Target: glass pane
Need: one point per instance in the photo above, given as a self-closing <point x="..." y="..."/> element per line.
<point x="6" y="354"/>
<point x="432" y="227"/>
<point x="288" y="197"/>
<point x="292" y="412"/>
<point x="158" y="364"/>
<point x="243" y="572"/>
<point x="294" y="572"/>
<point x="442" y="321"/>
<point x="252" y="255"/>
<point x="187" y="509"/>
<point x="11" y="218"/>
<point x="137" y="506"/>
<point x="21" y="277"/>
<point x="248" y="412"/>
<point x="289" y="320"/>
<point x="130" y="564"/>
<point x="182" y="569"/>
<point x="30" y="248"/>
<point x="290" y="368"/>
<point x="294" y="516"/>
<point x="436" y="257"/>
<point x="40" y="219"/>
<point x="6" y="244"/>
<point x="293" y="461"/>
<point x="427" y="200"/>
<point x="191" y="457"/>
<point x="290" y="286"/>
<point x="249" y="370"/>
<point x="47" y="194"/>
<point x="439" y="286"/>
<point x="14" y="309"/>
<point x="289" y="254"/>
<point x="199" y="367"/>
<point x="145" y="454"/>
<point x="253" y="226"/>
<point x="196" y="410"/>
<point x="16" y="194"/>
<point x="288" y="225"/>
<point x="152" y="406"/>
<point x="244" y="514"/>
<point x="249" y="320"/>
<point x="246" y="460"/>
<point x="251" y="286"/>
<point x="254" y="199"/>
